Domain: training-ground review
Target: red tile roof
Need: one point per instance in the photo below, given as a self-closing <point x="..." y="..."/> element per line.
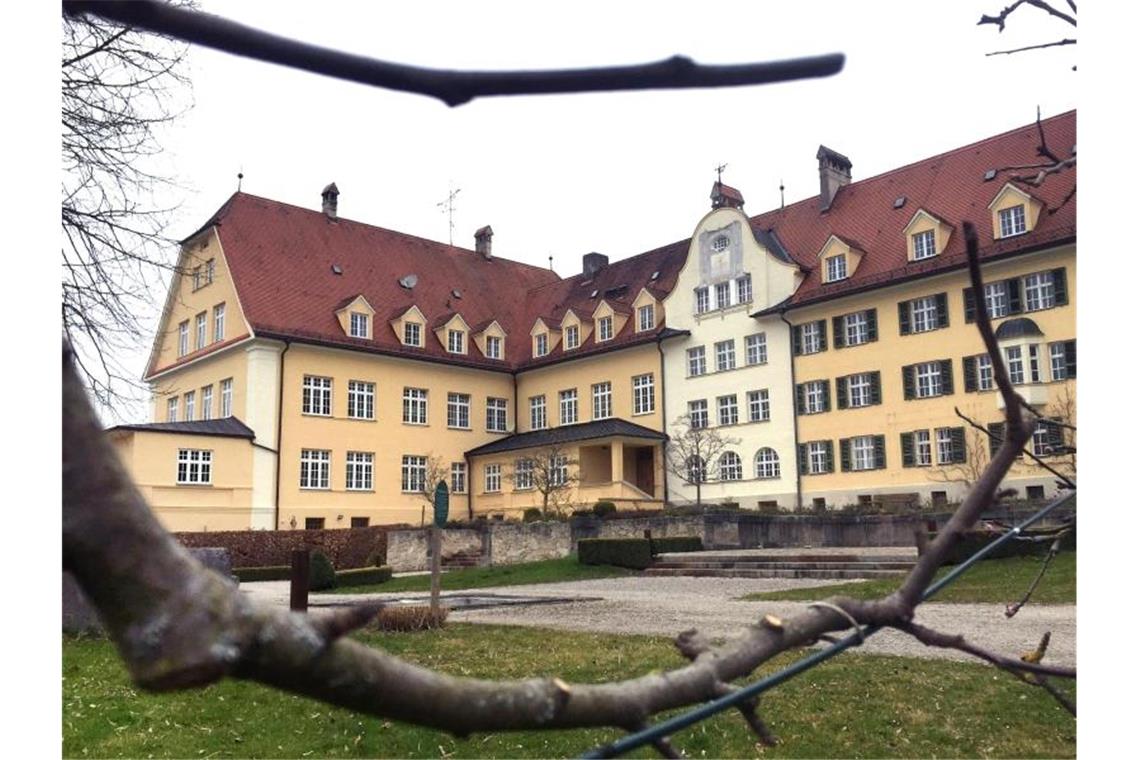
<point x="950" y="185"/>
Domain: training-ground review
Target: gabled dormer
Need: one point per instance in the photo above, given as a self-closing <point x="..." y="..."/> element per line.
<point x="409" y="326"/>
<point x="491" y="339"/>
<point x="356" y="317"/>
<point x="926" y="235"/>
<point x="576" y="326"/>
<point x="452" y="332"/>
<point x="647" y="311"/>
<point x="609" y="319"/>
<point x="838" y="259"/>
<point x="1013" y="212"/>
<point x="544" y="336"/>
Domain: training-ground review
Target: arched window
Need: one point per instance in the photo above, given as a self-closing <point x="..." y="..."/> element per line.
<point x="767" y="464"/>
<point x="696" y="470"/>
<point x="730" y="468"/>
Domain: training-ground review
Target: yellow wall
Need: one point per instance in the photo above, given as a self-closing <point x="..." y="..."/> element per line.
<point x="230" y="362"/>
<point x="888" y="355"/>
<point x="618" y="367"/>
<point x="388" y="437"/>
<point x="152" y="460"/>
<point x="184" y="303"/>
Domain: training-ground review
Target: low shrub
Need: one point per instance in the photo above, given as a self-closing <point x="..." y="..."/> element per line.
<point x="272" y="573"/>
<point x="604" y="508"/>
<point x="321" y="573"/>
<point x="634" y="553"/>
<point x="363" y="576"/>
<point x="410" y="618"/>
<point x="676" y="544"/>
<point x="532" y="514"/>
<point x="973" y="541"/>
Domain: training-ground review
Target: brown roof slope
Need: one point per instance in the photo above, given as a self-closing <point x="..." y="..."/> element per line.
<point x="281" y="257"/>
<point x="949" y="185"/>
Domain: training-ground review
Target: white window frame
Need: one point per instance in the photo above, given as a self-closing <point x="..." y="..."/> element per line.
<point x="207" y="402"/>
<point x="602" y="395"/>
<point x="744" y="288"/>
<point x="227" y="394"/>
<point x="811" y="339"/>
<point x="759" y="408"/>
<point x="699" y="413"/>
<point x="361" y="400"/>
<point x="571" y="337"/>
<point x="413" y="473"/>
<point x="415" y="406"/>
<point x="697" y="365"/>
<point x="194" y="467"/>
<point x="200" y="331"/>
<point x="358" y="469"/>
<point x="1039" y="291"/>
<point x="756" y="349"/>
<point x="538" y="412"/>
<point x="767" y="464"/>
<point x="924" y="314"/>
<point x="723" y="295"/>
<point x="413" y="334"/>
<point x="725" y="355"/>
<point x="1034" y="352"/>
<point x="1011" y="221"/>
<point x="496" y="415"/>
<point x="219" y="322"/>
<point x="492" y="478"/>
<point x="862" y="452"/>
<point x="524" y="474"/>
<point x="923" y="456"/>
<point x="1015" y="365"/>
<point x="315" y="466"/>
<point x="729" y="467"/>
<point x="727" y="411"/>
<point x="928" y="379"/>
<point x="644" y="401"/>
<point x="459" y="477"/>
<point x="188" y="406"/>
<point x="859" y="390"/>
<point x="316" y="396"/>
<point x="541" y="346"/>
<point x="459" y="411"/>
<point x="817" y="457"/>
<point x="559" y="470"/>
<point x="568" y="406"/>
<point x="209" y="271"/>
<point x="456" y="342"/>
<point x="357" y="324"/>
<point x="605" y="329"/>
<point x="856" y="328"/>
<point x="944" y="445"/>
<point x="814" y="392"/>
<point x="985" y="370"/>
<point x="494" y="347"/>
<point x="1058" y="363"/>
<point x="924" y="245"/>
<point x="836" y="267"/>
<point x="997" y="299"/>
<point x="646" y="317"/>
<point x="701" y="300"/>
<point x="183" y="338"/>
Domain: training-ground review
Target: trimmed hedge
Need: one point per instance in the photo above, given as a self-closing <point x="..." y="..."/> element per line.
<point x="621" y="552"/>
<point x="604" y="509"/>
<point x="363" y="576"/>
<point x="677" y="544"/>
<point x="346" y="547"/>
<point x="973" y="541"/>
<point x="273" y="573"/>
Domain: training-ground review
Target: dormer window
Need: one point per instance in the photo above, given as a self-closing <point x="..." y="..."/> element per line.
<point x="413" y="334"/>
<point x="540" y="345"/>
<point x="571" y="336"/>
<point x="605" y="328"/>
<point x="645" y="318"/>
<point x="836" y="268"/>
<point x="1012" y="221"/>
<point x="494" y="347"/>
<point x="923" y="243"/>
<point x="456" y="342"/>
<point x="358" y="325"/>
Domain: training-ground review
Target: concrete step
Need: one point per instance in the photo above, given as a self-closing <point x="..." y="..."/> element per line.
<point x="781" y="565"/>
<point x="702" y="572"/>
<point x="754" y="557"/>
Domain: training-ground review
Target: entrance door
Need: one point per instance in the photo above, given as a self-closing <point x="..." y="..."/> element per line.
<point x="644" y="469"/>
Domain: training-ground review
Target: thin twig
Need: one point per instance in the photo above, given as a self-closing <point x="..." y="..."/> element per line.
<point x="1033" y="47"/>
<point x="1012" y="609"/>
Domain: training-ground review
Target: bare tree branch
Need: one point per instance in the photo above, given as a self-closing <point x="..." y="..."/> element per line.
<point x="1012" y="609"/>
<point x="452" y="87"/>
<point x="999" y="20"/>
<point x="1058" y="43"/>
<point x="933" y="638"/>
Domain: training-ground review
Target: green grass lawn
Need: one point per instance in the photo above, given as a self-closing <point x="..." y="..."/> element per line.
<point x="853" y="706"/>
<point x="992" y="580"/>
<point x="545" y="571"/>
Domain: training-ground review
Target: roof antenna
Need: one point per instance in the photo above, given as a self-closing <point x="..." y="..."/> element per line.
<point x="448" y="205"/>
<point x="720" y="170"/>
<point x="551" y="260"/>
<point x="240" y="175"/>
<point x="781" y="195"/>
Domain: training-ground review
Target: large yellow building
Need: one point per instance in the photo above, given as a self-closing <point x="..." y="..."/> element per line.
<point x="314" y="371"/>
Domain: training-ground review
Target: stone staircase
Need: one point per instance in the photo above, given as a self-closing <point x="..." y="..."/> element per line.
<point x="462" y="559"/>
<point x="838" y="563"/>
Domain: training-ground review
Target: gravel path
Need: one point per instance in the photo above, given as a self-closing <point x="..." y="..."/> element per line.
<point x="668" y="605"/>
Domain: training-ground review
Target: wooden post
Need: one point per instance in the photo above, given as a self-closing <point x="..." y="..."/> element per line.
<point x="299" y="581"/>
<point x="436" y="550"/>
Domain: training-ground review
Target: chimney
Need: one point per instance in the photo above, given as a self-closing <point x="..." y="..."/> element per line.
<point x="592" y="262"/>
<point x="834" y="173"/>
<point x="328" y="200"/>
<point x="723" y="195"/>
<point x="483" y="241"/>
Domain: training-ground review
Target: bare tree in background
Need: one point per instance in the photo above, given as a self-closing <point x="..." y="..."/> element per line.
<point x="1041" y="5"/>
<point x="968" y="471"/>
<point x="119" y="88"/>
<point x="692" y="449"/>
<point x="435" y="470"/>
<point x="553" y="473"/>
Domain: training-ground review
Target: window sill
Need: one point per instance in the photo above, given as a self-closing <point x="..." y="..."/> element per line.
<point x="643" y="414"/>
<point x="316" y="414"/>
<point x="360" y="490"/>
<point x="456" y="427"/>
<point x="314" y="488"/>
<point x="416" y="424"/>
<point x="195" y="485"/>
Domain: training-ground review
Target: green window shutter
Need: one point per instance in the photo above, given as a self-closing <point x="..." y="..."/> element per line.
<point x="797" y="341"/>
<point x="904" y="318"/>
<point x="969" y="304"/>
<point x="1071" y="359"/>
<point x="1056" y="436"/>
<point x="908" y="382"/>
<point x="830" y="456"/>
<point x="799" y="398"/>
<point x="947" y="377"/>
<point x="826" y="396"/>
<point x="803" y="458"/>
<point x="1060" y="287"/>
<point x="958" y="445"/>
<point x="970" y="373"/>
<point x="822" y="334"/>
<point x="997" y="435"/>
<point x="845" y="454"/>
<point x="907" y="443"/>
<point x="839" y="332"/>
<point x="872" y="325"/>
<point x="880" y="452"/>
<point x="943" y="310"/>
<point x="841" y="393"/>
<point x="876" y="388"/>
<point x="1013" y="291"/>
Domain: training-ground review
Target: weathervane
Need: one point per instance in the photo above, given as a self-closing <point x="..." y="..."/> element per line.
<point x="720" y="170"/>
<point x="449" y="206"/>
<point x="781" y="194"/>
<point x="240" y="175"/>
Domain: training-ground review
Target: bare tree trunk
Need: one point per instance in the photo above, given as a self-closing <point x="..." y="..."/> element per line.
<point x="436" y="562"/>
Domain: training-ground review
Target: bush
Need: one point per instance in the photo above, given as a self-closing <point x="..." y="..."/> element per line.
<point x="272" y="573"/>
<point x="410" y="618"/>
<point x="532" y="514"/>
<point x="321" y="573"/>
<point x="676" y="544"/>
<point x="604" y="508"/>
<point x="635" y="553"/>
<point x="972" y="541"/>
<point x="363" y="576"/>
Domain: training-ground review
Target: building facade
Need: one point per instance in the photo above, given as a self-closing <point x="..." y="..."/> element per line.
<point x="314" y="371"/>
